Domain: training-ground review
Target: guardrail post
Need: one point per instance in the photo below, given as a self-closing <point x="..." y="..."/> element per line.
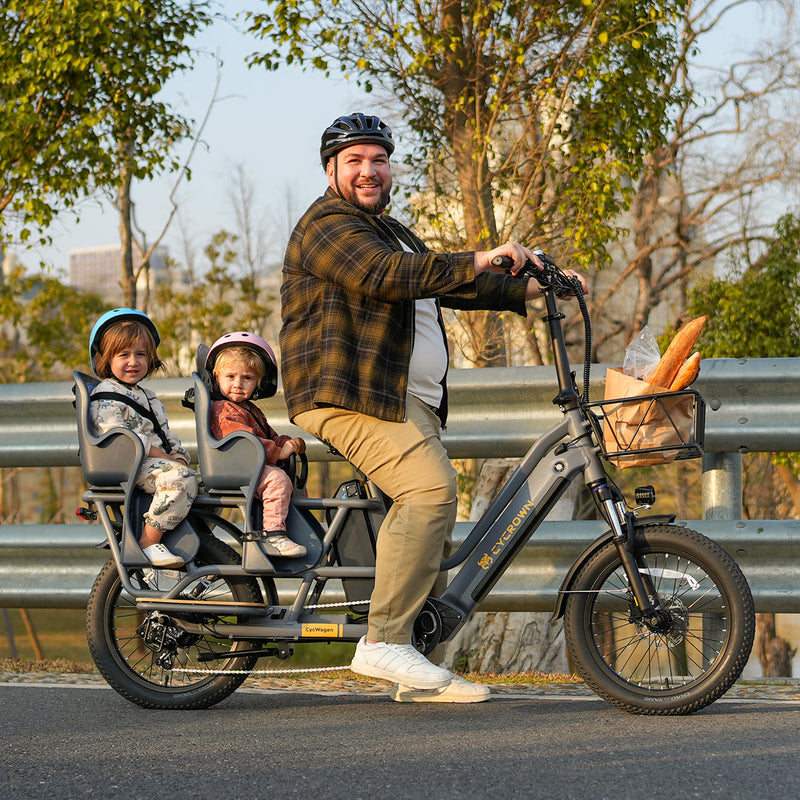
<point x="722" y="486"/>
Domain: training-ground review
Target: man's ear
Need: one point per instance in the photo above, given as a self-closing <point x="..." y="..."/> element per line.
<point x="329" y="171"/>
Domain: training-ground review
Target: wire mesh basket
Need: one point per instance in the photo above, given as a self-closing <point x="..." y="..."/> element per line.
<point x="650" y="429"/>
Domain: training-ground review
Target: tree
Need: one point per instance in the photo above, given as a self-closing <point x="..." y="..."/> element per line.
<point x="44" y="327"/>
<point x="746" y="322"/>
<point x="144" y="131"/>
<point x="744" y="319"/>
<point x="503" y="94"/>
<point x="711" y="188"/>
<point x="79" y="106"/>
<point x="531" y="119"/>
<point x="229" y="300"/>
<point x="52" y="107"/>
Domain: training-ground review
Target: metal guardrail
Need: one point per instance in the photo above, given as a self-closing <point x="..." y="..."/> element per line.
<point x="54" y="566"/>
<point x="752" y="405"/>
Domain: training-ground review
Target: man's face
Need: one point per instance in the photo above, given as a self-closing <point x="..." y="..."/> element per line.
<point x="361" y="175"/>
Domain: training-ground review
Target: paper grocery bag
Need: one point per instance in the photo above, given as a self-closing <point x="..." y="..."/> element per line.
<point x="660" y="424"/>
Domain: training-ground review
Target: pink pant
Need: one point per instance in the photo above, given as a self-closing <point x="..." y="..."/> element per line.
<point x="275" y="491"/>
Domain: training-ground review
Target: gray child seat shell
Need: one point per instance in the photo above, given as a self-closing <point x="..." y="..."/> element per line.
<point x="110" y="462"/>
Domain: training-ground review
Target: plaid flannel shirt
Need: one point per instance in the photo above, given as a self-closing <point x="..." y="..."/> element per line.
<point x="347" y="306"/>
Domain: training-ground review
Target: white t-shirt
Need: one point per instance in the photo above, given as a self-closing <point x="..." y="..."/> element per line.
<point x="428" y="363"/>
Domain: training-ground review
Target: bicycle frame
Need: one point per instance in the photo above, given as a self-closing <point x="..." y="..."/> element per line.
<point x="658" y="619"/>
<point x="563" y="453"/>
<point x="560" y="456"/>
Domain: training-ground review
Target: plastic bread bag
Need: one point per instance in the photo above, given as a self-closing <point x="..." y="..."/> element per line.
<point x="641" y="355"/>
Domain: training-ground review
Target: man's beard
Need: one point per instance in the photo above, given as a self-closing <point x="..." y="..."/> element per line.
<point x="375" y="208"/>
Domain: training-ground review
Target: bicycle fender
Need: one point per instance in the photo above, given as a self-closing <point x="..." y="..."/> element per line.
<point x="638" y="522"/>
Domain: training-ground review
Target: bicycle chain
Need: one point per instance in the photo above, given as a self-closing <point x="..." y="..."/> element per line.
<point x="338" y="605"/>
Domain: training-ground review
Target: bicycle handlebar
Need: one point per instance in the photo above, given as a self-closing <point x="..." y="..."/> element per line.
<point x="550" y="276"/>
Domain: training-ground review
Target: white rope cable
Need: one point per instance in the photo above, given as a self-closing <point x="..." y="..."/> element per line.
<point x="259" y="671"/>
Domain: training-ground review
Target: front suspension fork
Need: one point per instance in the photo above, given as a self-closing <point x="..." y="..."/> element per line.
<point x="621" y="522"/>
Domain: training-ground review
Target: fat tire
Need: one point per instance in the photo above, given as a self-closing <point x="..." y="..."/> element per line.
<point x="129" y="666"/>
<point x="603" y="644"/>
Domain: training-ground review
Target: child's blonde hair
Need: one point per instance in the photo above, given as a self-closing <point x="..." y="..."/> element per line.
<point x="239" y="356"/>
<point x="122" y="336"/>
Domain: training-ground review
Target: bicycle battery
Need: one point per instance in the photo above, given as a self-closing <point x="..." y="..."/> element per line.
<point x="355" y="545"/>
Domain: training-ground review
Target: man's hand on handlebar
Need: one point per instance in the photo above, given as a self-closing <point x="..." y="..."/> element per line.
<point x="517" y="260"/>
<point x="514" y="258"/>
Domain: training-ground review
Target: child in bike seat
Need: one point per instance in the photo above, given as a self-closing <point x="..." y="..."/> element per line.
<point x="244" y="368"/>
<point x="122" y="349"/>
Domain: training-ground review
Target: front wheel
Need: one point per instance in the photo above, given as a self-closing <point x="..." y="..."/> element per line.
<point x="687" y="657"/>
<point x="149" y="657"/>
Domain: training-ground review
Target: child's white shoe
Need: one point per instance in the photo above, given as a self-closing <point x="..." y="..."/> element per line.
<point x="159" y="556"/>
<point x="277" y="543"/>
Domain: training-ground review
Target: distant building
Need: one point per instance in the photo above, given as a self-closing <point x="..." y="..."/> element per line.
<point x="98" y="269"/>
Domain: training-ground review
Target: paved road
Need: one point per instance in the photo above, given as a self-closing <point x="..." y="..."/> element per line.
<point x="68" y="742"/>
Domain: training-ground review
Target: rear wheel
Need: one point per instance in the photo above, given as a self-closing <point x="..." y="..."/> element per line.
<point x="148" y="657"/>
<point x="686" y="657"/>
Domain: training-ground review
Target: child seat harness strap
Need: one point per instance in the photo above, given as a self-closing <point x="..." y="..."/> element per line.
<point x="260" y="421"/>
<point x="146" y="412"/>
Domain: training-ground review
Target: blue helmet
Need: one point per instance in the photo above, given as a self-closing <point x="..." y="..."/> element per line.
<point x="112" y="318"/>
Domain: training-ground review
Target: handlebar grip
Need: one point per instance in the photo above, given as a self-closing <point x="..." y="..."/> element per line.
<point x="506" y="262"/>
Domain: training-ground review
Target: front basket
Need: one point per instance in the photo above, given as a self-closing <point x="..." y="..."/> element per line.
<point x="649" y="429"/>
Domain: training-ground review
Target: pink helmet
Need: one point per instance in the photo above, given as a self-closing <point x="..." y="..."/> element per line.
<point x="252" y="341"/>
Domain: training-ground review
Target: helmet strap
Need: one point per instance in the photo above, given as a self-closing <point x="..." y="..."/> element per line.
<point x="336" y="172"/>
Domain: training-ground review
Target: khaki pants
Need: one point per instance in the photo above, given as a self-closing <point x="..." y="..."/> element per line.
<point x="409" y="463"/>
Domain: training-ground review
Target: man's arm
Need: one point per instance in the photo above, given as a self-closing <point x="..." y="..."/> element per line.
<point x="348" y="249"/>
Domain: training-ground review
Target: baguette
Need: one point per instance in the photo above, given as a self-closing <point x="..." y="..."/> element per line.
<point x="677" y="352"/>
<point x="687" y="373"/>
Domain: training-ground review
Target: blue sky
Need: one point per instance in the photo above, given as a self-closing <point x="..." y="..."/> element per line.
<point x="269" y="123"/>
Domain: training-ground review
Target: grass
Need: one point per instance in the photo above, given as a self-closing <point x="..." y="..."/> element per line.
<point x="62" y="642"/>
<point x="59" y="631"/>
<point x="64" y="667"/>
<point x="58" y="667"/>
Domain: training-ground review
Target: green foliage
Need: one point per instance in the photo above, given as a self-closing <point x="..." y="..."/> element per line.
<point x="217" y="303"/>
<point x="753" y="312"/>
<point x="76" y="78"/>
<point x="44" y="327"/>
<point x="535" y="115"/>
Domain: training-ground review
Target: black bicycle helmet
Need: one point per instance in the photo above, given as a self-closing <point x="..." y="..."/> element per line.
<point x="353" y="128"/>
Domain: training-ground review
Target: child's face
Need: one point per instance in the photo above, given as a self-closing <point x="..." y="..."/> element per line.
<point x="236" y="382"/>
<point x="130" y="364"/>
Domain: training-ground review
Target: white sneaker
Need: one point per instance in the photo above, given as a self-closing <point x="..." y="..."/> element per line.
<point x="400" y="663"/>
<point x="458" y="690"/>
<point x="277" y="543"/>
<point x="159" y="556"/>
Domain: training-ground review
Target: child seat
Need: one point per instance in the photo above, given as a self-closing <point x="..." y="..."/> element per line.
<point x="232" y="466"/>
<point x="111" y="459"/>
<point x="110" y="463"/>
